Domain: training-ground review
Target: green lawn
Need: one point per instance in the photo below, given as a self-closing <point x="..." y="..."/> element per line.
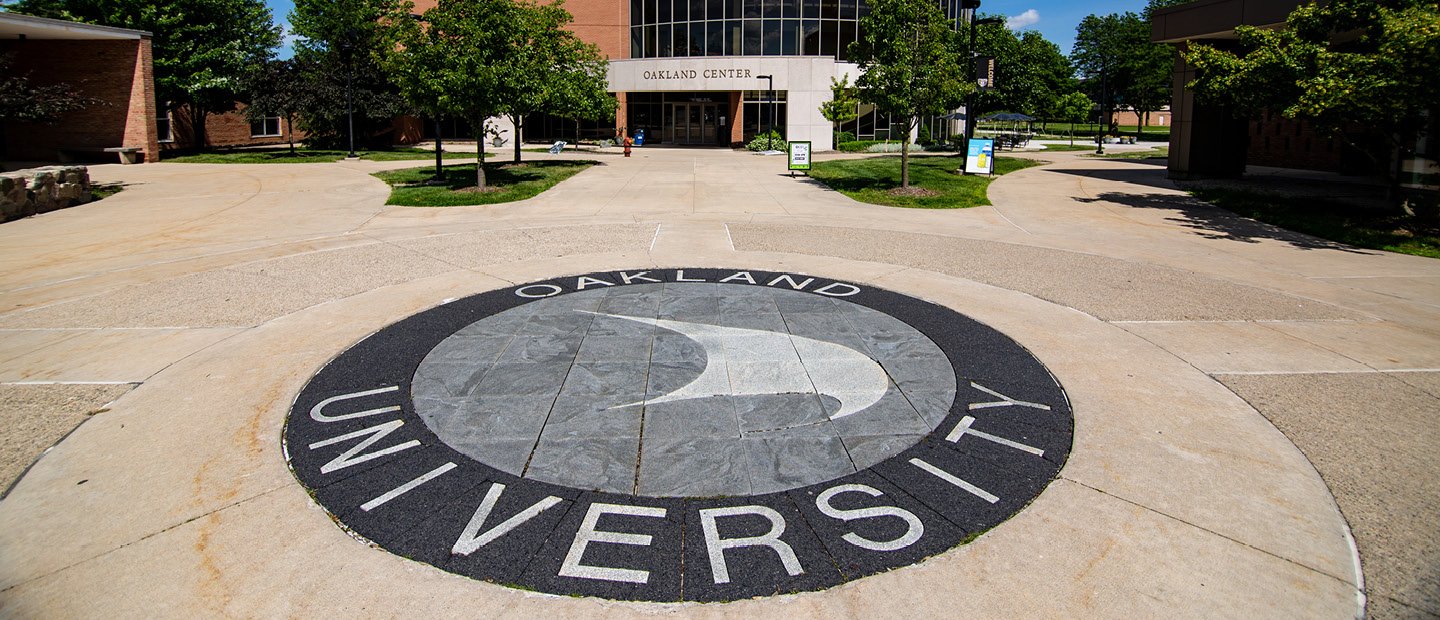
<point x="101" y="191"/>
<point x="1068" y="147"/>
<point x="306" y="156"/>
<point x="1157" y="152"/>
<point x="1156" y="133"/>
<point x="1335" y="221"/>
<point x="410" y="187"/>
<point x="871" y="179"/>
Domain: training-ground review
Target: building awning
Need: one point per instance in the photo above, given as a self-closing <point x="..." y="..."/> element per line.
<point x="1216" y="19"/>
<point x="17" y="26"/>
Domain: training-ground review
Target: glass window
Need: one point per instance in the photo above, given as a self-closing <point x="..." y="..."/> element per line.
<point x="267" y="127"/>
<point x="810" y="38"/>
<point x="791" y="8"/>
<point x="752" y="38"/>
<point x="752" y="8"/>
<point x="664" y="14"/>
<point x="790" y="42"/>
<point x="862" y="10"/>
<point x="697" y="10"/>
<point x="715" y="38"/>
<point x="697" y="38"/>
<point x="829" y="34"/>
<point x="637" y="12"/>
<point x="733" y="9"/>
<point x="772" y="9"/>
<point x="163" y="127"/>
<point x="811" y="9"/>
<point x="715" y="9"/>
<point x="651" y="16"/>
<point x="637" y="42"/>
<point x="772" y="37"/>
<point x="682" y="44"/>
<point x="680" y="10"/>
<point x="847" y="36"/>
<point x="733" y="40"/>
<point x="847" y="9"/>
<point x="829" y="9"/>
<point x="663" y="49"/>
<point x="652" y="44"/>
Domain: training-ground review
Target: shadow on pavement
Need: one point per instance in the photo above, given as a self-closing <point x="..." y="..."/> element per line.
<point x="1143" y="173"/>
<point x="1212" y="222"/>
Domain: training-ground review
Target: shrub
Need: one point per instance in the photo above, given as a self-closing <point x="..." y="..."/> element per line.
<point x="843" y="137"/>
<point x="856" y="146"/>
<point x="763" y="142"/>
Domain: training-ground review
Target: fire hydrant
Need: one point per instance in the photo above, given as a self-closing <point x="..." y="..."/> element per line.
<point x="628" y="143"/>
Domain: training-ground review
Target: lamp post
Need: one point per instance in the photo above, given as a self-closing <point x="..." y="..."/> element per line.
<point x="1104" y="120"/>
<point x="770" y="99"/>
<point x="347" y="49"/>
<point x="974" y="7"/>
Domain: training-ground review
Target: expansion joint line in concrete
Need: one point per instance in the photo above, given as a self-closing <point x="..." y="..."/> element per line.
<point x="1210" y="531"/>
<point x="148" y="536"/>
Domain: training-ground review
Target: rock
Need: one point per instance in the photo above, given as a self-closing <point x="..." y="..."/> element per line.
<point x="38" y="190"/>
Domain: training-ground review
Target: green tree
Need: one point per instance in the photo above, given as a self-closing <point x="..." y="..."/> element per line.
<point x="843" y="106"/>
<point x="548" y="61"/>
<point x="1375" y="79"/>
<point x="340" y="48"/>
<point x="202" y="48"/>
<point x="22" y="101"/>
<point x="580" y="93"/>
<point x="276" y="88"/>
<point x="911" y="65"/>
<point x="1073" y="108"/>
<point x="456" y="63"/>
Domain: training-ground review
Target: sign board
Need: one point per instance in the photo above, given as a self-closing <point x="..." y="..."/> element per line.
<point x="980" y="157"/>
<point x="800" y="155"/>
<point x="985" y="72"/>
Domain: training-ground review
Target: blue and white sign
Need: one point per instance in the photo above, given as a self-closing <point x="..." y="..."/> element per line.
<point x="980" y="157"/>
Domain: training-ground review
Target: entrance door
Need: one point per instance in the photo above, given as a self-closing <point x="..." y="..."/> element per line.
<point x="695" y="123"/>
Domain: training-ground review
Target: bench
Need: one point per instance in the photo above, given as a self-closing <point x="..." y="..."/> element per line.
<point x="128" y="154"/>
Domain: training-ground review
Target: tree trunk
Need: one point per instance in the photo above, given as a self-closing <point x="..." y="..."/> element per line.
<point x="197" y="119"/>
<point x="439" y="164"/>
<point x="515" y="119"/>
<point x="290" y="130"/>
<point x="480" y="156"/>
<point x="905" y="154"/>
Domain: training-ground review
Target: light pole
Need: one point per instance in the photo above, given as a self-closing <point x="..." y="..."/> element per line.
<point x="1104" y="120"/>
<point x="770" y="99"/>
<point x="347" y="49"/>
<point x="974" y="7"/>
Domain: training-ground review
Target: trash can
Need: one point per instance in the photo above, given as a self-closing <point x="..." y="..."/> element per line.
<point x="639" y="137"/>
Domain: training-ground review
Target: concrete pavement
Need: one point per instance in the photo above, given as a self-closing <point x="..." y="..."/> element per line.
<point x="1244" y="397"/>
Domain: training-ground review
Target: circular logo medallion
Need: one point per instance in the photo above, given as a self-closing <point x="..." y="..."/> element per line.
<point x="667" y="435"/>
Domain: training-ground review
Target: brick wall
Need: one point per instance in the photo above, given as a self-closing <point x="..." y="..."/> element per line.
<point x="1285" y="143"/>
<point x="118" y="73"/>
<point x="1160" y="118"/>
<point x="227" y="129"/>
<point x="606" y="23"/>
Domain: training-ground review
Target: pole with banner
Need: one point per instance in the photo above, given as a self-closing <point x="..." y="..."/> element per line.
<point x="800" y="157"/>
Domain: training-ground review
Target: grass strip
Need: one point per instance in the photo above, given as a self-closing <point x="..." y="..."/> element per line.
<point x="872" y="179"/>
<point x="307" y="156"/>
<point x="1330" y="220"/>
<point x="413" y="187"/>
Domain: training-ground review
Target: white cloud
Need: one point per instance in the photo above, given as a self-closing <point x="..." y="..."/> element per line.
<point x="1028" y="18"/>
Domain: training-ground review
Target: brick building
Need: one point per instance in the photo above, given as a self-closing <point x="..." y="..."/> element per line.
<point x="112" y="65"/>
<point x="717" y="72"/>
<point x="115" y="67"/>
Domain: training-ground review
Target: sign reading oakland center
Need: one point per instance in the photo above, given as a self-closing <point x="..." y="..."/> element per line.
<point x="680" y="434"/>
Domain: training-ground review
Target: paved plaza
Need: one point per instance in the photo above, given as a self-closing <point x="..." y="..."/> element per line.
<point x="268" y="395"/>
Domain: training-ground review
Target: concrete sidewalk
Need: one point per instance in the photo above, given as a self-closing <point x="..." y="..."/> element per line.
<point x="1244" y="397"/>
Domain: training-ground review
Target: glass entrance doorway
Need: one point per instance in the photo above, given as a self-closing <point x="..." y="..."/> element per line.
<point x="695" y="123"/>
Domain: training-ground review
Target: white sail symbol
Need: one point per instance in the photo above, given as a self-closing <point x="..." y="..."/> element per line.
<point x="834" y="370"/>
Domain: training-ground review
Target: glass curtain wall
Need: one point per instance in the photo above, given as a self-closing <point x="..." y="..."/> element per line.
<point x="684" y="28"/>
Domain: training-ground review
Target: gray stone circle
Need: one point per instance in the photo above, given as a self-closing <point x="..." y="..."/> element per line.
<point x="564" y="389"/>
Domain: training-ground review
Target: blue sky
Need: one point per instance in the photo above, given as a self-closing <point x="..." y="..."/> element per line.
<point x="1056" y="19"/>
